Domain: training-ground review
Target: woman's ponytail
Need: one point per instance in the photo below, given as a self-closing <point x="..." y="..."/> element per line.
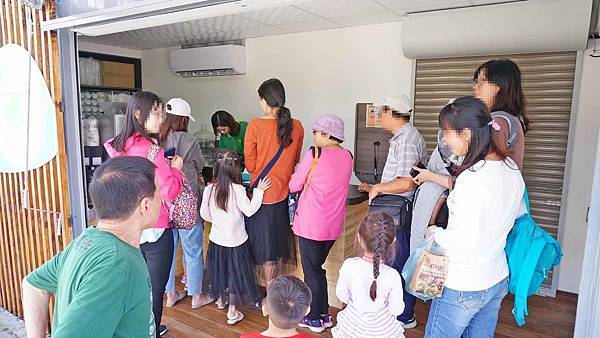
<point x="284" y="126"/>
<point x="273" y="93"/>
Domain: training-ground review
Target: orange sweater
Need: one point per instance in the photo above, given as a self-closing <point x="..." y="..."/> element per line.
<point x="261" y="145"/>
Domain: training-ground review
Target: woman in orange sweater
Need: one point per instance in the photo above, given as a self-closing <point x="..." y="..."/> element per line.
<point x="275" y="139"/>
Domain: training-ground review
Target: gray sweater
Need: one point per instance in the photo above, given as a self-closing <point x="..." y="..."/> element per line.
<point x="188" y="148"/>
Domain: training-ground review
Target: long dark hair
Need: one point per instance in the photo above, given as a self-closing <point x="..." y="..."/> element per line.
<point x="222" y="118"/>
<point x="228" y="171"/>
<point x="172" y="123"/>
<point x="142" y="102"/>
<point x="377" y="231"/>
<point x="273" y="93"/>
<point x="468" y="112"/>
<point x="506" y="75"/>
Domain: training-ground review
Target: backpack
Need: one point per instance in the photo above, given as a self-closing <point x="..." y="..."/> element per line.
<point x="184" y="209"/>
<point x="531" y="253"/>
<point x="183" y="212"/>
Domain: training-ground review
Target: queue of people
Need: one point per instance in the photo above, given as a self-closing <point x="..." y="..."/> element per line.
<point x="125" y="266"/>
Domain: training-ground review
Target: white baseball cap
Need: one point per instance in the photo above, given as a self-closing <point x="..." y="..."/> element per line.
<point x="399" y="103"/>
<point x="180" y="107"/>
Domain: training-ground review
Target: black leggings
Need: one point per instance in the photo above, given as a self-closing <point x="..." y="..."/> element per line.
<point x="158" y="256"/>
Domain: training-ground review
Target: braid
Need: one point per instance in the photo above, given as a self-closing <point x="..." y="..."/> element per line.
<point x="378" y="254"/>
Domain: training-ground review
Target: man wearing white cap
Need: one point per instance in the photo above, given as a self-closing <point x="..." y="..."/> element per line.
<point x="407" y="148"/>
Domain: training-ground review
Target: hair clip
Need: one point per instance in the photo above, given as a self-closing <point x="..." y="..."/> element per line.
<point x="494" y="125"/>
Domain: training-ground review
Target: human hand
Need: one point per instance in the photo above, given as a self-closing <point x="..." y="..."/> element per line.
<point x="177" y="162"/>
<point x="364" y="187"/>
<point x="264" y="184"/>
<point x="423" y="176"/>
<point x="373" y="192"/>
<point x="430" y="230"/>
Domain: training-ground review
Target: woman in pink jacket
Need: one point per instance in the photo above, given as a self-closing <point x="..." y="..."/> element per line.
<point x="319" y="218"/>
<point x="144" y="116"/>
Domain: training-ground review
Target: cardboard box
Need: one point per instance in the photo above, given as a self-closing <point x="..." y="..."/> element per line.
<point x="117" y="74"/>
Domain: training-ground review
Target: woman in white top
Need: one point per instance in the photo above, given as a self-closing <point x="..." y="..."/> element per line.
<point x="230" y="265"/>
<point x="483" y="207"/>
<point x="371" y="288"/>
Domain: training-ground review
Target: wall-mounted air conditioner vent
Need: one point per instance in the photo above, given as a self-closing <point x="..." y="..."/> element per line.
<point x="208" y="61"/>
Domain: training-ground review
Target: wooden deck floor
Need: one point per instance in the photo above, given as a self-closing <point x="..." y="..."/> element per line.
<point x="548" y="317"/>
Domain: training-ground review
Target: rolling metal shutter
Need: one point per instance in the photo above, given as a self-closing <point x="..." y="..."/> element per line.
<point x="548" y="84"/>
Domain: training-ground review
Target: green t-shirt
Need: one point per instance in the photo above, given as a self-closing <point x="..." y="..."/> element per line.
<point x="235" y="143"/>
<point x="102" y="288"/>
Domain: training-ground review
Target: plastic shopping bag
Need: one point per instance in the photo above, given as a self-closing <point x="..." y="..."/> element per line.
<point x="425" y="271"/>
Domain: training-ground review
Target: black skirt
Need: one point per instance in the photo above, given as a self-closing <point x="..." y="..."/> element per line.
<point x="270" y="235"/>
<point x="231" y="270"/>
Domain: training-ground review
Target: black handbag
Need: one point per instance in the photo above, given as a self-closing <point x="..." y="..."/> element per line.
<point x="398" y="207"/>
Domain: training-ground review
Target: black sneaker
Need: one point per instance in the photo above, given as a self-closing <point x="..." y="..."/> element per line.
<point x="162" y="329"/>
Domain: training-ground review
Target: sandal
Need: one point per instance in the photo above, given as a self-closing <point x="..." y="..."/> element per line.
<point x="234" y="320"/>
<point x="221" y="304"/>
<point x="179" y="295"/>
<point x="207" y="300"/>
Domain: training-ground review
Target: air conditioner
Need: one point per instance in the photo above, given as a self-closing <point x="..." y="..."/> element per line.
<point x="208" y="61"/>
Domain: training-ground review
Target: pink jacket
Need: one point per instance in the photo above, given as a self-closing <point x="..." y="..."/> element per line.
<point x="169" y="179"/>
<point x="322" y="207"/>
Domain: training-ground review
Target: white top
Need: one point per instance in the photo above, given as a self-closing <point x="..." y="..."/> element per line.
<point x="151" y="235"/>
<point x="354" y="283"/>
<point x="228" y="227"/>
<point x="483" y="207"/>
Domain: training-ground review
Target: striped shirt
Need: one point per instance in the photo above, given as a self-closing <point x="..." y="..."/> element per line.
<point x="407" y="148"/>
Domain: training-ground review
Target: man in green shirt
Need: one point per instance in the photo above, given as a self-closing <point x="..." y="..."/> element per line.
<point x="100" y="280"/>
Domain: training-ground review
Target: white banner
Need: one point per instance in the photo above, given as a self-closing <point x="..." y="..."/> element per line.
<point x="43" y="143"/>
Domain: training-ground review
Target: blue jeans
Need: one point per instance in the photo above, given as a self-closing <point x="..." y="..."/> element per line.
<point x="402" y="253"/>
<point x="191" y="241"/>
<point x="472" y="314"/>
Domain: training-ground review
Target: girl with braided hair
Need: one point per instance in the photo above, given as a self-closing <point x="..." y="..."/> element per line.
<point x="229" y="260"/>
<point x="369" y="286"/>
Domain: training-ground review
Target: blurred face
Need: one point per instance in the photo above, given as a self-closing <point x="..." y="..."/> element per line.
<point x="457" y="140"/>
<point x="223" y="130"/>
<point x="387" y="119"/>
<point x="485" y="90"/>
<point x="320" y="138"/>
<point x="155" y="118"/>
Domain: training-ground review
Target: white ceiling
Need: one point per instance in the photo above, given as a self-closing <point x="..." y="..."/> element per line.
<point x="301" y="16"/>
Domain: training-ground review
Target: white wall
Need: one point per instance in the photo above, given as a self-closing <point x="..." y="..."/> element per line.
<point x="323" y="72"/>
<point x="584" y="145"/>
